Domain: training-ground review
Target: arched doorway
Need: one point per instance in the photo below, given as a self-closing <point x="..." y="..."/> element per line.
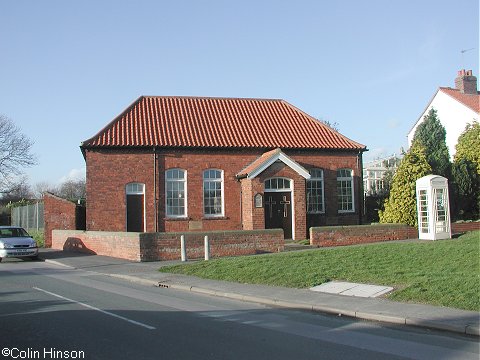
<point x="278" y="205"/>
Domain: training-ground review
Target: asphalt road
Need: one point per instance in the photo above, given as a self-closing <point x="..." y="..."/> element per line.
<point x="52" y="312"/>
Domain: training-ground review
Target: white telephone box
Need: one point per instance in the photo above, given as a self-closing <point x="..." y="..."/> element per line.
<point x="433" y="208"/>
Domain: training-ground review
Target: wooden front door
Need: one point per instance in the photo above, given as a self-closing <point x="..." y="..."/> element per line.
<point x="278" y="212"/>
<point x="135" y="213"/>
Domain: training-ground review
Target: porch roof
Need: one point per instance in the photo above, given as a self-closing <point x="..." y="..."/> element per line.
<point x="266" y="159"/>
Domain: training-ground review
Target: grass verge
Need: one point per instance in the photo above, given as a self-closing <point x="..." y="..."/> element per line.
<point x="445" y="273"/>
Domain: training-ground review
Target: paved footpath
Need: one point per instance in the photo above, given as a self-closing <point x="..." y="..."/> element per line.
<point x="376" y="309"/>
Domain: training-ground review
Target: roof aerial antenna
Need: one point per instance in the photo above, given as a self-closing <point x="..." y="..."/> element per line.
<point x="463" y="52"/>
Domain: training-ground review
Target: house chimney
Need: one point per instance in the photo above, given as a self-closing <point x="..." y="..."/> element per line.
<point x="466" y="82"/>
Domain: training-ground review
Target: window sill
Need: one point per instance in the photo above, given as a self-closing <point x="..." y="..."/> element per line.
<point x="215" y="218"/>
<point x="176" y="218"/>
<point x="346" y="212"/>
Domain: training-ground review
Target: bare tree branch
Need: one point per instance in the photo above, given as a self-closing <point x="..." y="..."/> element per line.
<point x="20" y="190"/>
<point x="42" y="187"/>
<point x="15" y="153"/>
<point x="72" y="190"/>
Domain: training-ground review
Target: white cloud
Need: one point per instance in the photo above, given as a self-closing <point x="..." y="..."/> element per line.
<point x="74" y="174"/>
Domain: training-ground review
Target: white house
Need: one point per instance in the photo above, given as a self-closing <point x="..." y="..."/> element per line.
<point x="374" y="173"/>
<point x="455" y="108"/>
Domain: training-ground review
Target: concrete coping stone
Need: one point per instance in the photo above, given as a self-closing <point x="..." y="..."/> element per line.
<point x="375" y="226"/>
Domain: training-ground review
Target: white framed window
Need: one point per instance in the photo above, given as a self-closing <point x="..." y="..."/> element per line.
<point x="176" y="193"/>
<point x="345" y="191"/>
<point x="135" y="189"/>
<point x="278" y="184"/>
<point x="315" y="192"/>
<point x="213" y="204"/>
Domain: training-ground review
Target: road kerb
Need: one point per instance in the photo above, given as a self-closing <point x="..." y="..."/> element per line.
<point x="180" y="287"/>
<point x="380" y="317"/>
<point x="333" y="311"/>
<point x="472" y="330"/>
<point x="257" y="299"/>
<point x="134" y="279"/>
<point x="204" y="291"/>
<point x="461" y="329"/>
<point x="293" y="305"/>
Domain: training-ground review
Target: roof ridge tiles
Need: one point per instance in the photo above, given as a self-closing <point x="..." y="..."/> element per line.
<point x="211" y="97"/>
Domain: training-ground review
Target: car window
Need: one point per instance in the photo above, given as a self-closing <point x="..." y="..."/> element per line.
<point x="13" y="232"/>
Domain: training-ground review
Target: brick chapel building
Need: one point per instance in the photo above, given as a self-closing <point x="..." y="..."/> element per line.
<point x="169" y="164"/>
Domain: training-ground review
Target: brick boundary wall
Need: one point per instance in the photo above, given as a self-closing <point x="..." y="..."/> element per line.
<point x="166" y="246"/>
<point x="461" y="227"/>
<point x="58" y="214"/>
<point x="362" y="234"/>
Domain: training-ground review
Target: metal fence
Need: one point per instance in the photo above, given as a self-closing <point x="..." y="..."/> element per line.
<point x="29" y="217"/>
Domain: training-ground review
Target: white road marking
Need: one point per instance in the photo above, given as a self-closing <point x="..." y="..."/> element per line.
<point x="97" y="309"/>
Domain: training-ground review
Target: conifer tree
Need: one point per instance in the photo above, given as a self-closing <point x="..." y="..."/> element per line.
<point x="468" y="145"/>
<point x="466" y="174"/>
<point x="401" y="207"/>
<point x="431" y="134"/>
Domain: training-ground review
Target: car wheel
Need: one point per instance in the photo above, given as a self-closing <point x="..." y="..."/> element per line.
<point x="0" y="259"/>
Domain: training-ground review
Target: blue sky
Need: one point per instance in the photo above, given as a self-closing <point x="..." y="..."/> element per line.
<point x="67" y="68"/>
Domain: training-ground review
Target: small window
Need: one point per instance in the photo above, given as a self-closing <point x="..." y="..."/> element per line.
<point x="345" y="190"/>
<point x="213" y="193"/>
<point x="175" y="193"/>
<point x="278" y="184"/>
<point x="135" y="189"/>
<point x="315" y="193"/>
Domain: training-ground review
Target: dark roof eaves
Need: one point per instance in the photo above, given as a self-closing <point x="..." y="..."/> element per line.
<point x="180" y="147"/>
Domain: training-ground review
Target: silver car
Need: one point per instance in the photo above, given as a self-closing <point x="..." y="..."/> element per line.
<point x="15" y="242"/>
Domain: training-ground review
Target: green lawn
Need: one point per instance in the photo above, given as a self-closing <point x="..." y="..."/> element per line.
<point x="444" y="272"/>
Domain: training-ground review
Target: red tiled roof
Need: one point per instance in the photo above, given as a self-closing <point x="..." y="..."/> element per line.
<point x="258" y="162"/>
<point x="470" y="100"/>
<point x="218" y="123"/>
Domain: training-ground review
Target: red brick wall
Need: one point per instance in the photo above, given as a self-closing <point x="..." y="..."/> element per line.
<point x="349" y="235"/>
<point x="462" y="227"/>
<point x="58" y="214"/>
<point x="360" y="234"/>
<point x="116" y="244"/>
<point x="109" y="171"/>
<point x="166" y="246"/>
